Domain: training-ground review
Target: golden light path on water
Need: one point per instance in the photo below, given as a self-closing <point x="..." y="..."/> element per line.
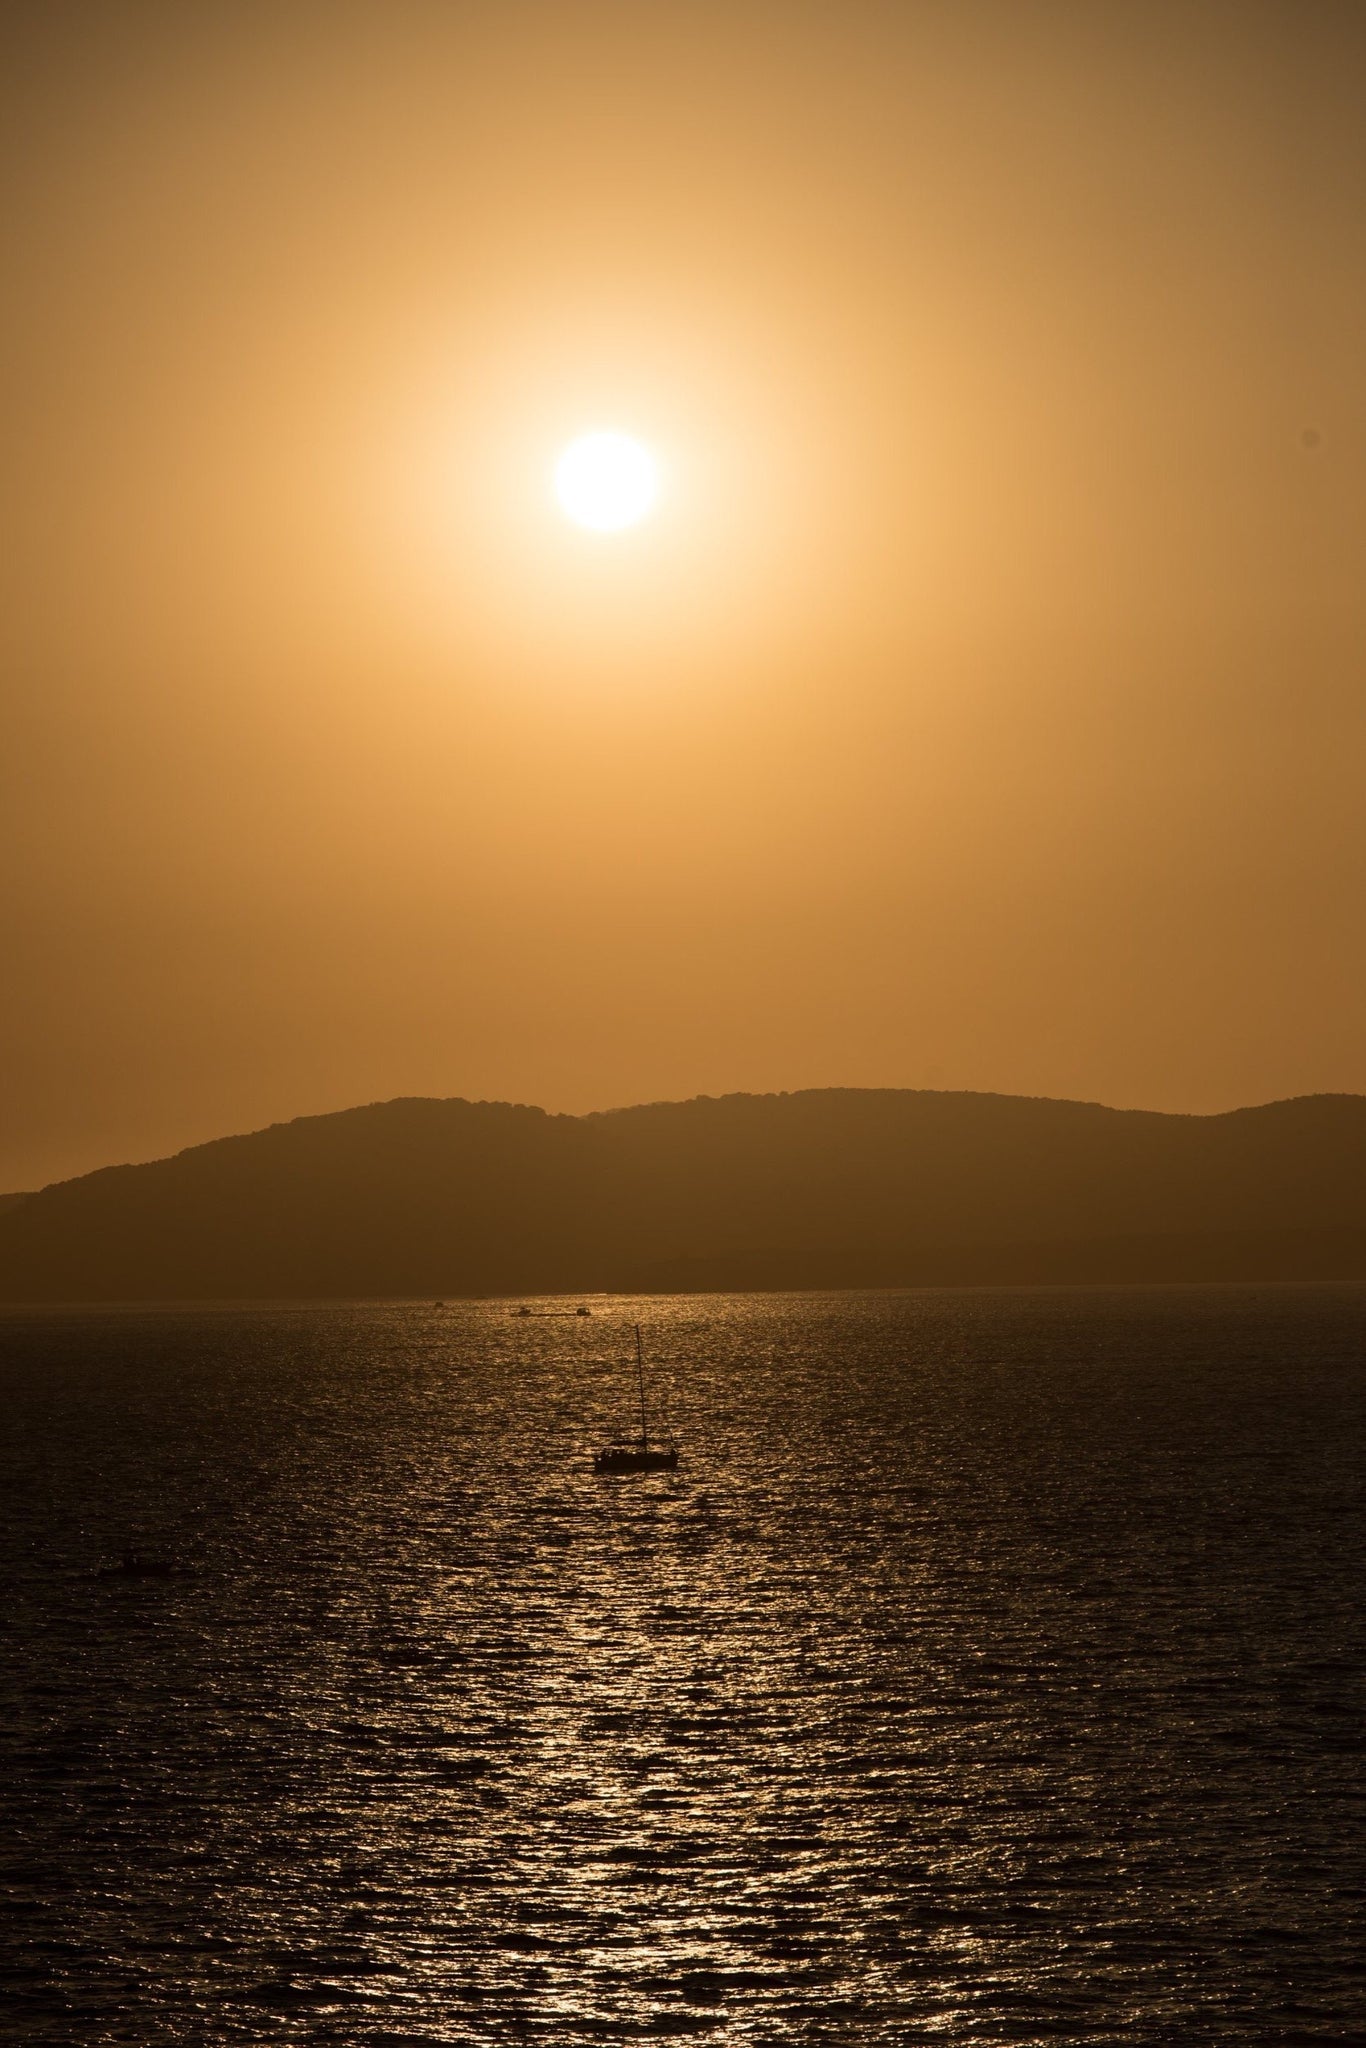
<point x="684" y="1756"/>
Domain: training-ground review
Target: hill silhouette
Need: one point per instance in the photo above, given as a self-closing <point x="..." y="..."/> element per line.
<point x="826" y="1188"/>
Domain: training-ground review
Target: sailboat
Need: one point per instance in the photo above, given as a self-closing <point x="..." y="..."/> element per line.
<point x="638" y="1457"/>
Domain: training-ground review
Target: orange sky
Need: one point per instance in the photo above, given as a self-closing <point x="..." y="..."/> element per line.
<point x="983" y="707"/>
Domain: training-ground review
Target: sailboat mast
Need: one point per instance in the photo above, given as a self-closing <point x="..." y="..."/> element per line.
<point x="640" y="1375"/>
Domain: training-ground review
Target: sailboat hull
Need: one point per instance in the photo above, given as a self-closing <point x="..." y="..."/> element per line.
<point x="625" y="1460"/>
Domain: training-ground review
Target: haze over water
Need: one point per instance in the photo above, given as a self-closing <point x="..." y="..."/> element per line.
<point x="990" y="1669"/>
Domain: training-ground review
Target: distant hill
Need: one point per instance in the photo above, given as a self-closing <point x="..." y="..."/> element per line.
<point x="826" y="1188"/>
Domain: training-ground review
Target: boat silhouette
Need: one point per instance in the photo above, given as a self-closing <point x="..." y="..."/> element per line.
<point x="641" y="1456"/>
<point x="135" y="1564"/>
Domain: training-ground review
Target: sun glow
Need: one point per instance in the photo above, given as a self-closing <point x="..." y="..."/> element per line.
<point x="606" y="481"/>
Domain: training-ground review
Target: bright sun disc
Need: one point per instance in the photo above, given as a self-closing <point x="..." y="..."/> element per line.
<point x="606" y="481"/>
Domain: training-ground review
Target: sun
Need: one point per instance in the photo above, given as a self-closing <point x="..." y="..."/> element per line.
<point x="606" y="481"/>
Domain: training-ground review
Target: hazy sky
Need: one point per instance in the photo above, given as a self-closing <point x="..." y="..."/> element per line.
<point x="984" y="706"/>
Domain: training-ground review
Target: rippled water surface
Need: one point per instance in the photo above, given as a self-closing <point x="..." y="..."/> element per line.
<point x="990" y="1669"/>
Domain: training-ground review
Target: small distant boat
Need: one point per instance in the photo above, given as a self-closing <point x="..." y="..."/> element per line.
<point x="134" y="1564"/>
<point x="642" y="1456"/>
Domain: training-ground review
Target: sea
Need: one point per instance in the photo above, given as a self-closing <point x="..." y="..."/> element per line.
<point x="990" y="1669"/>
